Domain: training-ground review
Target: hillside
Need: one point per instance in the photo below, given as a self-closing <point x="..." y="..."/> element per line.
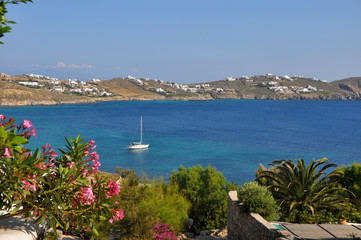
<point x="39" y="90"/>
<point x="274" y="87"/>
<point x="15" y="95"/>
<point x="352" y="84"/>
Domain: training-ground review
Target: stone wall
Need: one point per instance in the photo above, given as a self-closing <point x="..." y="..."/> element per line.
<point x="248" y="226"/>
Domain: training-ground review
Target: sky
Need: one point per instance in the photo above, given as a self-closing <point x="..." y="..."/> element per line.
<point x="184" y="41"/>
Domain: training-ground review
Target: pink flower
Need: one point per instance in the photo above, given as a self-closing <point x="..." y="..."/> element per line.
<point x="1" y="117"/>
<point x="117" y="215"/>
<point x="113" y="189"/>
<point x="33" y="132"/>
<point x="85" y="173"/>
<point x="91" y="142"/>
<point x="70" y="165"/>
<point x="86" y="195"/>
<point x="7" y="153"/>
<point x="28" y="186"/>
<point x="27" y="124"/>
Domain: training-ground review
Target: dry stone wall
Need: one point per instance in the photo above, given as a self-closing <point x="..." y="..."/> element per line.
<point x="248" y="226"/>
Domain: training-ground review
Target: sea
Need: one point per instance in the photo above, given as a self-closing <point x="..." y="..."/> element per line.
<point x="234" y="136"/>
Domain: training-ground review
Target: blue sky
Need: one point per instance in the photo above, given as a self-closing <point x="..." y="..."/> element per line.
<point x="184" y="41"/>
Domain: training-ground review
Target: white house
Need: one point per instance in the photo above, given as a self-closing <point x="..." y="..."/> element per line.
<point x="159" y="90"/>
<point x="287" y="77"/>
<point x="33" y="84"/>
<point x="94" y="80"/>
<point x="230" y="79"/>
<point x="192" y="90"/>
<point x="58" y="89"/>
<point x="76" y="90"/>
<point x="309" y="87"/>
<point x="219" y="89"/>
<point x="272" y="83"/>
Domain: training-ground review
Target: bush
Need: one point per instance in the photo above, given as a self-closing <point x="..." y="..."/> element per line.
<point x="61" y="191"/>
<point x="147" y="203"/>
<point x="205" y="189"/>
<point x="256" y="198"/>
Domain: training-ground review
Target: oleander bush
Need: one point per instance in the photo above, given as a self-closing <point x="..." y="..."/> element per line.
<point x="60" y="191"/>
<point x="256" y="198"/>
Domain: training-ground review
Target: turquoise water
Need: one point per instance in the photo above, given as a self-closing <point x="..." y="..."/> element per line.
<point x="232" y="135"/>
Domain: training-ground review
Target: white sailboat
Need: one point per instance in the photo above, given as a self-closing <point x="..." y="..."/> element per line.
<point x="139" y="145"/>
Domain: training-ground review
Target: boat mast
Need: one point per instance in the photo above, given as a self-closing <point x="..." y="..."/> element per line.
<point x="141" y="128"/>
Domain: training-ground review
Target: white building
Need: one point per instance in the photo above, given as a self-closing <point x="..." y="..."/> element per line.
<point x="54" y="82"/>
<point x="192" y="90"/>
<point x="33" y="84"/>
<point x="313" y="89"/>
<point x="231" y="79"/>
<point x="219" y="89"/>
<point x="272" y="83"/>
<point x="58" y="89"/>
<point x="76" y="90"/>
<point x="159" y="90"/>
<point x="94" y="80"/>
<point x="287" y="77"/>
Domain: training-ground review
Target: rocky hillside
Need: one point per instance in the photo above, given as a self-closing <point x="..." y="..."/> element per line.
<point x="275" y="87"/>
<point x="15" y="95"/>
<point x="25" y="90"/>
<point x="350" y="84"/>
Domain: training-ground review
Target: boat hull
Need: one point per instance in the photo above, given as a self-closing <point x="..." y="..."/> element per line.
<point x="138" y="147"/>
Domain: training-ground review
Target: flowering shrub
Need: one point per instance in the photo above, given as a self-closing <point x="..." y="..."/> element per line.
<point x="161" y="231"/>
<point x="60" y="191"/>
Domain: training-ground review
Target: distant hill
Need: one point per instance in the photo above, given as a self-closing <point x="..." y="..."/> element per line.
<point x="25" y="90"/>
<point x="15" y="95"/>
<point x="352" y="84"/>
<point x="277" y="88"/>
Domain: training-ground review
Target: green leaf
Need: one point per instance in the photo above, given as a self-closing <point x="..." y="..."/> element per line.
<point x="18" y="149"/>
<point x="29" y="161"/>
<point x="18" y="140"/>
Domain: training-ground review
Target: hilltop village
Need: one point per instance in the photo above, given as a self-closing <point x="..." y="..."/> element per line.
<point x="16" y="90"/>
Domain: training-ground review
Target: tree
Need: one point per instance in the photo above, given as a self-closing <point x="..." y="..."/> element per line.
<point x="4" y="23"/>
<point x="352" y="181"/>
<point x="302" y="190"/>
<point x="205" y="189"/>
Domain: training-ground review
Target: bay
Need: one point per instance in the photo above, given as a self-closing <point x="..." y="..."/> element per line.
<point x="234" y="136"/>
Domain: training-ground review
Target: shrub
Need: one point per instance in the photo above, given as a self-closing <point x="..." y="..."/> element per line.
<point x="205" y="189"/>
<point x="256" y="198"/>
<point x="146" y="203"/>
<point x="62" y="191"/>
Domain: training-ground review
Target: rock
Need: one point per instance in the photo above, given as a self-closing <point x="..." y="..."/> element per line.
<point x="188" y="235"/>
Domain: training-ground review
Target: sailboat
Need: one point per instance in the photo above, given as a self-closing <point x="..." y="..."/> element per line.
<point x="139" y="145"/>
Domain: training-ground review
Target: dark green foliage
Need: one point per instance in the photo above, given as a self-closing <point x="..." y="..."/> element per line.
<point x="352" y="182"/>
<point x="145" y="203"/>
<point x="256" y="198"/>
<point x="322" y="216"/>
<point x="205" y="189"/>
<point x="304" y="189"/>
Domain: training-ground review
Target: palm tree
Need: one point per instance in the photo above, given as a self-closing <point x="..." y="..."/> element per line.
<point x="299" y="188"/>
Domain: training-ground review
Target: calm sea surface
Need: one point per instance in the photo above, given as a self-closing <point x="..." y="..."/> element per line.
<point x="232" y="135"/>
